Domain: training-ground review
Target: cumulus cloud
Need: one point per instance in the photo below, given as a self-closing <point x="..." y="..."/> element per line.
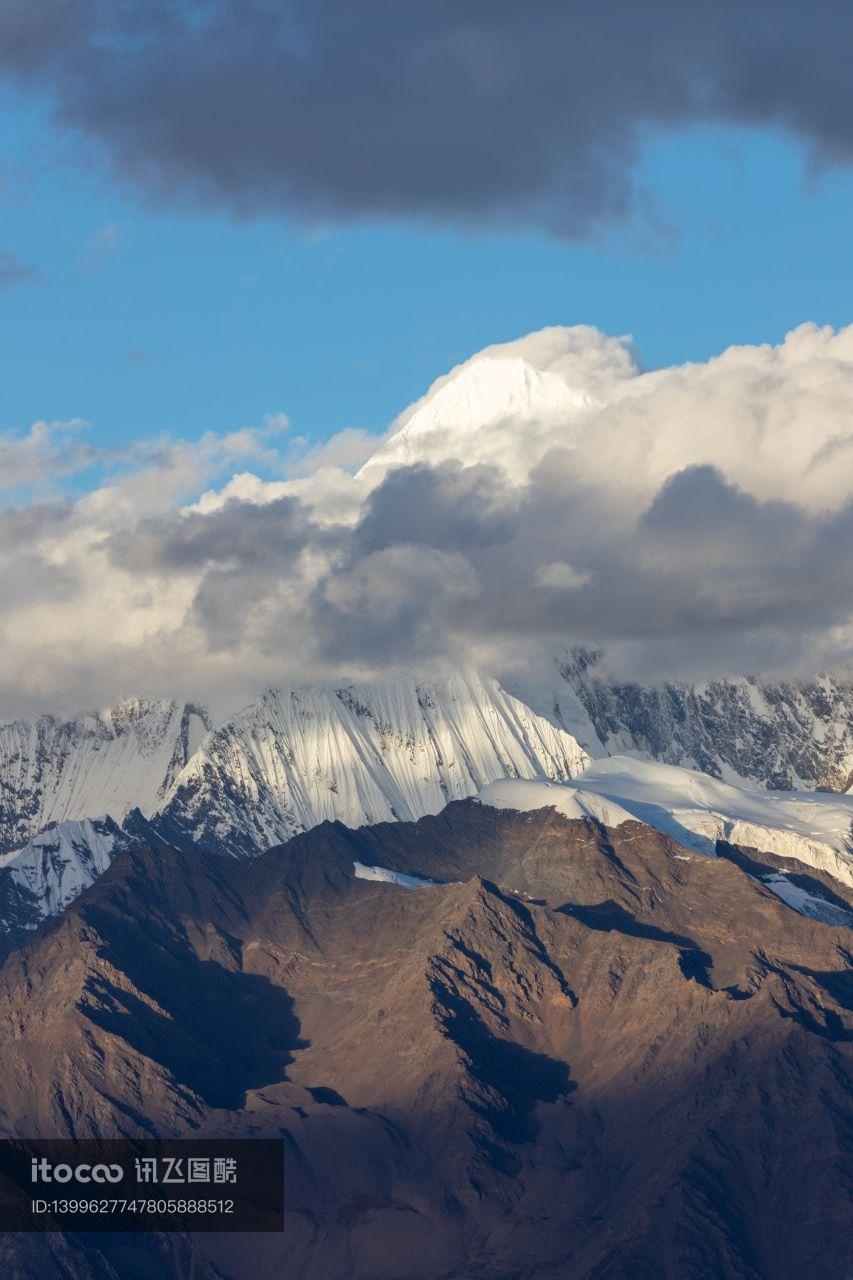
<point x="448" y="507"/>
<point x="696" y="520"/>
<point x="242" y="535"/>
<point x="773" y="419"/>
<point x="437" y="109"/>
<point x="394" y="606"/>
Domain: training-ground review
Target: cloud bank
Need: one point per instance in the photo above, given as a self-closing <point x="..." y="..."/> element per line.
<point x="697" y="520"/>
<point x="446" y="110"/>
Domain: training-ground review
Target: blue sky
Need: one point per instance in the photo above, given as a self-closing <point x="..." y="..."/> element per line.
<point x="150" y="319"/>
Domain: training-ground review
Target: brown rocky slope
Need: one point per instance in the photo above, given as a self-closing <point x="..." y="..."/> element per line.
<point x="586" y="1054"/>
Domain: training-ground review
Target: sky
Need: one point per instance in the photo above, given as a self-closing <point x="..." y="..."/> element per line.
<point x="147" y="320"/>
<point x="238" y="239"/>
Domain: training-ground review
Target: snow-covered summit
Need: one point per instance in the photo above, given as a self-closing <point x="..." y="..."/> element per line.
<point x="57" y="864"/>
<point x="572" y="801"/>
<point x="697" y="811"/>
<point x="461" y="417"/>
<point x="393" y="750"/>
<point x="509" y="403"/>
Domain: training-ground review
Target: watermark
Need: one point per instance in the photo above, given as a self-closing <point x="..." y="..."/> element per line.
<point x="177" y="1184"/>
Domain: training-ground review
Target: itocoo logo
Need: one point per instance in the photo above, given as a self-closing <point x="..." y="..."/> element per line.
<point x="43" y="1170"/>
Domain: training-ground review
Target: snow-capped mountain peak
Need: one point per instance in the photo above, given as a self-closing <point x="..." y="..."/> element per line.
<point x="108" y="762"/>
<point x="292" y="759"/>
<point x="492" y="406"/>
<point x="395" y="750"/>
<point x="361" y="754"/>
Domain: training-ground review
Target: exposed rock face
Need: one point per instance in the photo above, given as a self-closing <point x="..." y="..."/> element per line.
<point x="784" y="736"/>
<point x="586" y="1053"/>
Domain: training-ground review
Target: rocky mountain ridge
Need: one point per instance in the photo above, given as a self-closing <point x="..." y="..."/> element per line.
<point x="56" y="769"/>
<point x="570" y="1025"/>
<point x="785" y="735"/>
<point x="294" y="758"/>
<point x="360" y="754"/>
<point x="397" y="751"/>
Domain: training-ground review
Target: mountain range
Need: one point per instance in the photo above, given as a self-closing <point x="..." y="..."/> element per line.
<point x="76" y="791"/>
<point x="786" y="735"/>
<point x="539" y="976"/>
<point x="499" y="1045"/>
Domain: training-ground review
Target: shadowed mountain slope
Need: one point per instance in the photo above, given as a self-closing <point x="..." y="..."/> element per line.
<point x="585" y="1054"/>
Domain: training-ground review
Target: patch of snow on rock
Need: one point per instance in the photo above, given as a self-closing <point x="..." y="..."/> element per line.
<point x="385" y="876"/>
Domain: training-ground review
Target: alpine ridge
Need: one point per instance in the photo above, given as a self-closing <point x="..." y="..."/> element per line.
<point x="786" y="735"/>
<point x="153" y="771"/>
<point x="526" y="1026"/>
<point x="107" y="762"/>
<point x="360" y="754"/>
<point x="77" y="791"/>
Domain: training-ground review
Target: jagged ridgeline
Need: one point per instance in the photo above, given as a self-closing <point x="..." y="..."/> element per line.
<point x="483" y="1037"/>
<point x="786" y="735"/>
<point x="76" y="791"/>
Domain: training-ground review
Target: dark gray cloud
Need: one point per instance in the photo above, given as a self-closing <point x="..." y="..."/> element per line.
<point x="701" y="521"/>
<point x="449" y="558"/>
<point x="704" y="560"/>
<point x="238" y="535"/>
<point x="402" y="605"/>
<point x="13" y="271"/>
<point x="432" y="109"/>
<point x="450" y="507"/>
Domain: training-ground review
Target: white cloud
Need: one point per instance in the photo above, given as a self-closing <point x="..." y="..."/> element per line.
<point x="48" y="451"/>
<point x="559" y="576"/>
<point x="701" y="515"/>
<point x="775" y="420"/>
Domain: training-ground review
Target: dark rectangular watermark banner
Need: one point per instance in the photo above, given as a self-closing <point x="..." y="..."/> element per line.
<point x="177" y="1184"/>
